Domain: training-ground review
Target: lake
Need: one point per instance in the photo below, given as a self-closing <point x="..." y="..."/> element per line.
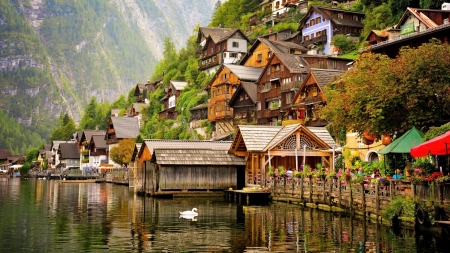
<point x="49" y="216"/>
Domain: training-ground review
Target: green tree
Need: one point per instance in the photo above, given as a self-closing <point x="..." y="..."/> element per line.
<point x="378" y="18"/>
<point x="64" y="129"/>
<point x="92" y="116"/>
<point x="344" y="43"/>
<point x="121" y="154"/>
<point x="383" y="95"/>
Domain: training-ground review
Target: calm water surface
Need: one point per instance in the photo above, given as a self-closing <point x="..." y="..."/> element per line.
<point x="48" y="216"/>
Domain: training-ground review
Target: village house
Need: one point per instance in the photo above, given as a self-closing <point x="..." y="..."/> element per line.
<point x="170" y="99"/>
<point x="415" y="27"/>
<point x="4" y="154"/>
<point x="220" y="46"/>
<point x="283" y="74"/>
<point x="221" y="87"/>
<point x="55" y="149"/>
<point x="262" y="49"/>
<point x="98" y="151"/>
<point x="68" y="156"/>
<point x="279" y="7"/>
<point x="120" y="128"/>
<point x="86" y="162"/>
<point x="310" y="98"/>
<point x="288" y="146"/>
<point x="243" y="103"/>
<point x="176" y="165"/>
<point x="320" y="24"/>
<point x="140" y="92"/>
<point x="43" y="156"/>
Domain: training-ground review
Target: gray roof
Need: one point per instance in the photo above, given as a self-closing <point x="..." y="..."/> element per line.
<point x="179" y="85"/>
<point x="99" y="141"/>
<point x="295" y="63"/>
<point x="245" y="73"/>
<point x="4" y="153"/>
<point x="198" y="107"/>
<point x="218" y="34"/>
<point x="251" y="89"/>
<point x="186" y="144"/>
<point x="125" y="127"/>
<point x="138" y="107"/>
<point x="69" y="151"/>
<point x="324" y="76"/>
<point x="197" y="157"/>
<point x="263" y="138"/>
<point x="88" y="134"/>
<point x="55" y="144"/>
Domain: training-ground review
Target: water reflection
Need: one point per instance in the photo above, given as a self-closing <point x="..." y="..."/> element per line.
<point x="48" y="216"/>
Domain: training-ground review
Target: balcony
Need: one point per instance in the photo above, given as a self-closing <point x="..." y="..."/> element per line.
<point x="209" y="62"/>
<point x="290" y="86"/>
<point x="292" y="122"/>
<point x="317" y="123"/>
<point x="318" y="40"/>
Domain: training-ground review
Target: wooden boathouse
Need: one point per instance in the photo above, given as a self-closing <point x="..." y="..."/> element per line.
<point x="169" y="167"/>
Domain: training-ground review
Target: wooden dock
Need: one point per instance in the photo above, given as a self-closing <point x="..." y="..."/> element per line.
<point x="249" y="196"/>
<point x="77" y="181"/>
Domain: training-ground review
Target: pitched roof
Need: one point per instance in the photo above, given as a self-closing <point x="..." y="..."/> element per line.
<point x="217" y="34"/>
<point x="179" y="85"/>
<point x="197" y="157"/>
<point x="4" y="153"/>
<point x="249" y="88"/>
<point x="198" y="107"/>
<point x="138" y="107"/>
<point x="263" y="138"/>
<point x="295" y="63"/>
<point x="324" y="76"/>
<point x="139" y="89"/>
<point x="244" y="73"/>
<point x="419" y="15"/>
<point x="151" y="145"/>
<point x="286" y="45"/>
<point x="88" y="134"/>
<point x="99" y="141"/>
<point x="125" y="127"/>
<point x="136" y="150"/>
<point x="338" y="21"/>
<point x="274" y="46"/>
<point x="55" y="144"/>
<point x="69" y="151"/>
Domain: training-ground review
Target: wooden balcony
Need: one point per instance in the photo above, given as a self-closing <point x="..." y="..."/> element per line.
<point x="318" y="40"/>
<point x="290" y="86"/>
<point x="268" y="114"/>
<point x="210" y="61"/>
<point x="317" y="123"/>
<point x="112" y="141"/>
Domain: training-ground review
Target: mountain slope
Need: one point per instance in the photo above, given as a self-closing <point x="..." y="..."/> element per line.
<point x="56" y="54"/>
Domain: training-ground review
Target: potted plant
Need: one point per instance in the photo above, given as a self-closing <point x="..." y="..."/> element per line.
<point x="271" y="173"/>
<point x="281" y="171"/>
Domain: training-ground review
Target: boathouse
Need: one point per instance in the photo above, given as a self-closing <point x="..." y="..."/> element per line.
<point x="175" y="165"/>
<point x="288" y="146"/>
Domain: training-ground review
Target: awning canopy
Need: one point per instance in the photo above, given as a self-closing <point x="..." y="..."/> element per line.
<point x="404" y="143"/>
<point x="437" y="146"/>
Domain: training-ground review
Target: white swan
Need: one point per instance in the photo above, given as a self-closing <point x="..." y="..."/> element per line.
<point x="194" y="212"/>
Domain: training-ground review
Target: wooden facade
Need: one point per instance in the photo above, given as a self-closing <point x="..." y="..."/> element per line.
<point x="243" y="103"/>
<point x="288" y="146"/>
<point x="258" y="56"/>
<point x="170" y="99"/>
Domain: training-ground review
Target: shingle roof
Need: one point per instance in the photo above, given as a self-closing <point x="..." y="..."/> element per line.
<point x="196" y="157"/>
<point x="139" y="89"/>
<point x="245" y="73"/>
<point x="217" y="34"/>
<point x="69" y="151"/>
<point x="4" y="153"/>
<point x="263" y="138"/>
<point x="125" y="127"/>
<point x="88" y="134"/>
<point x="99" y="141"/>
<point x="251" y="89"/>
<point x="198" y="107"/>
<point x="179" y="85"/>
<point x="138" y="107"/>
<point x="55" y="144"/>
<point x="324" y="76"/>
<point x="186" y="144"/>
<point x="295" y="63"/>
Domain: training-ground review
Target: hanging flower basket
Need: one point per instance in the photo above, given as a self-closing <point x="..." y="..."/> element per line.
<point x="369" y="136"/>
<point x="367" y="141"/>
<point x="386" y="139"/>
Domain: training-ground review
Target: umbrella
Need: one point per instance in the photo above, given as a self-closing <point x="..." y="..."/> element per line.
<point x="404" y="143"/>
<point x="437" y="146"/>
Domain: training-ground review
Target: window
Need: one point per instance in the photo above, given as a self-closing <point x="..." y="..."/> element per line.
<point x="312" y="35"/>
<point x="305" y="38"/>
<point x="287" y="80"/>
<point x="306" y="25"/>
<point x="355" y="17"/>
<point x="334" y="64"/>
<point x="341" y="15"/>
<point x="235" y="44"/>
<point x="225" y="76"/>
<point x="289" y="98"/>
<point x="312" y="22"/>
<point x="318" y="20"/>
<point x="318" y="34"/>
<point x="266" y="86"/>
<point x="275" y="67"/>
<point x="259" y="58"/>
<point x="233" y="55"/>
<point x="258" y="106"/>
<point x="268" y="71"/>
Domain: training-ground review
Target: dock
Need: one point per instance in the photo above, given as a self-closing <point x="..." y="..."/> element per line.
<point x="77" y="181"/>
<point x="249" y="196"/>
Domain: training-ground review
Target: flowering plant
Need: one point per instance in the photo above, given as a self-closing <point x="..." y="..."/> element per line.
<point x="434" y="176"/>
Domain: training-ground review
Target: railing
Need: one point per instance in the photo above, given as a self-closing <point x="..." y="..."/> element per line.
<point x="292" y="122"/>
<point x="290" y="86"/>
<point x="316" y="40"/>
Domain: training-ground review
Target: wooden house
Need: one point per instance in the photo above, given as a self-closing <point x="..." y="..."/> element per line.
<point x="4" y="154"/>
<point x="55" y="150"/>
<point x="310" y="98"/>
<point x="288" y="146"/>
<point x="327" y="62"/>
<point x="84" y="146"/>
<point x="98" y="150"/>
<point x="415" y="27"/>
<point x="120" y="128"/>
<point x="69" y="155"/>
<point x="279" y="7"/>
<point x="277" y="84"/>
<point x="221" y="87"/>
<point x="220" y="46"/>
<point x="320" y="24"/>
<point x="173" y="165"/>
<point x="133" y="168"/>
<point x="243" y="103"/>
<point x="140" y="92"/>
<point x="262" y="49"/>
<point x="198" y="114"/>
<point x="170" y="99"/>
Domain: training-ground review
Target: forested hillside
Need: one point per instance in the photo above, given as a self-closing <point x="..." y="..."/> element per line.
<point x="55" y="55"/>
